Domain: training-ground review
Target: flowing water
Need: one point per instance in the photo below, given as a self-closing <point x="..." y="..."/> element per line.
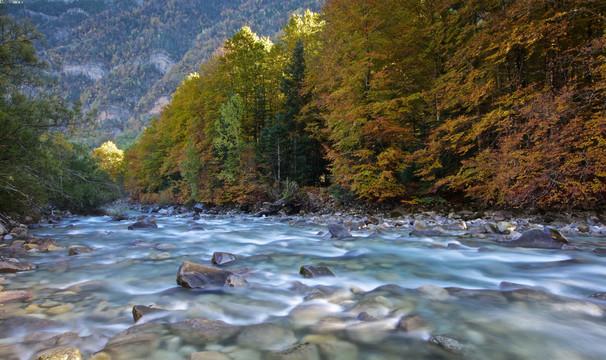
<point x="380" y="278"/>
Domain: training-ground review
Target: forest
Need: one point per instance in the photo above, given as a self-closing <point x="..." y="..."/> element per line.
<point x="497" y="102"/>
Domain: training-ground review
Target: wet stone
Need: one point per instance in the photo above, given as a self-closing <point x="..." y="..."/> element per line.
<point x="535" y="239"/>
<point x="338" y="231"/>
<point x="12" y="266"/>
<point x="78" y="250"/>
<point x="223" y="258"/>
<point x="310" y="271"/>
<point x="61" y="354"/>
<point x="192" y="275"/>
<point x="147" y="223"/>
<point x="449" y="344"/>
<point x="141" y="310"/>
<point x="14" y="295"/>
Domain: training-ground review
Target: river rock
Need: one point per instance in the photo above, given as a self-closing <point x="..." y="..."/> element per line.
<point x="334" y="349"/>
<point x="141" y="310"/>
<point x="266" y="337"/>
<point x="223" y="258"/>
<point x="338" y="231"/>
<point x="78" y="250"/>
<point x="413" y="323"/>
<point x="192" y="275"/>
<point x="535" y="239"/>
<point x="306" y="351"/>
<point x="557" y="235"/>
<point x="13" y="265"/>
<point x="203" y="332"/>
<point x="449" y="344"/>
<point x="136" y="342"/>
<point x="61" y="354"/>
<point x="147" y="223"/>
<point x="310" y="271"/>
<point x="14" y="295"/>
<point x="40" y="244"/>
<point x="19" y="231"/>
<point x="425" y="233"/>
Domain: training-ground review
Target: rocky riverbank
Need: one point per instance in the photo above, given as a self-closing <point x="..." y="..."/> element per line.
<point x="331" y="322"/>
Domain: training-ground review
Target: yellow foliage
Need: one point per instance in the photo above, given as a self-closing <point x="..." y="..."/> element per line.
<point x="110" y="158"/>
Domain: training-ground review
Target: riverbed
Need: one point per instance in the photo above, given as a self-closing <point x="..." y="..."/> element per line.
<point x="394" y="296"/>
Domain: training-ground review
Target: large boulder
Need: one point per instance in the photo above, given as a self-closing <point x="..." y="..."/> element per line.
<point x="535" y="239"/>
<point x="192" y="275"/>
<point x="12" y="266"/>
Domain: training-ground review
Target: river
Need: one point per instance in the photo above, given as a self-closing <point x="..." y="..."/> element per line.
<point x="393" y="296"/>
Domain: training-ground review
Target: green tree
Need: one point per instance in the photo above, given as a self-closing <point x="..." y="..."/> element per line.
<point x="32" y="151"/>
<point x="227" y="142"/>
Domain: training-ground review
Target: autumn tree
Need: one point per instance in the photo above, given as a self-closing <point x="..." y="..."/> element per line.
<point x="520" y="96"/>
<point x="110" y="158"/>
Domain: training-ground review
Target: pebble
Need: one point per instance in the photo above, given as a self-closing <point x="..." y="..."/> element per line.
<point x="49" y="304"/>
<point x="32" y="308"/>
<point x="58" y="310"/>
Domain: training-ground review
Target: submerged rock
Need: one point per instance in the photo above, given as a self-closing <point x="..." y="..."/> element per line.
<point x="204" y="331"/>
<point x="310" y="271"/>
<point x="413" y="323"/>
<point x="208" y="355"/>
<point x="223" y="258"/>
<point x="61" y="354"/>
<point x="306" y="351"/>
<point x="192" y="275"/>
<point x="535" y="239"/>
<point x="449" y="344"/>
<point x="266" y="337"/>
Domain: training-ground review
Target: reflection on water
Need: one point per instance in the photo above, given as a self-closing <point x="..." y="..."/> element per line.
<point x="394" y="296"/>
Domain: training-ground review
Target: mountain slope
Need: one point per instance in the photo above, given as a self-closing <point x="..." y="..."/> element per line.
<point x="125" y="58"/>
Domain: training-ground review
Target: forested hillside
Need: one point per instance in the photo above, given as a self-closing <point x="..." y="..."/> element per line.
<point x="391" y="100"/>
<point x="125" y="58"/>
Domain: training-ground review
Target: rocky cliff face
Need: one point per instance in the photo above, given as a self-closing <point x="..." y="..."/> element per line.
<point x="125" y="58"/>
